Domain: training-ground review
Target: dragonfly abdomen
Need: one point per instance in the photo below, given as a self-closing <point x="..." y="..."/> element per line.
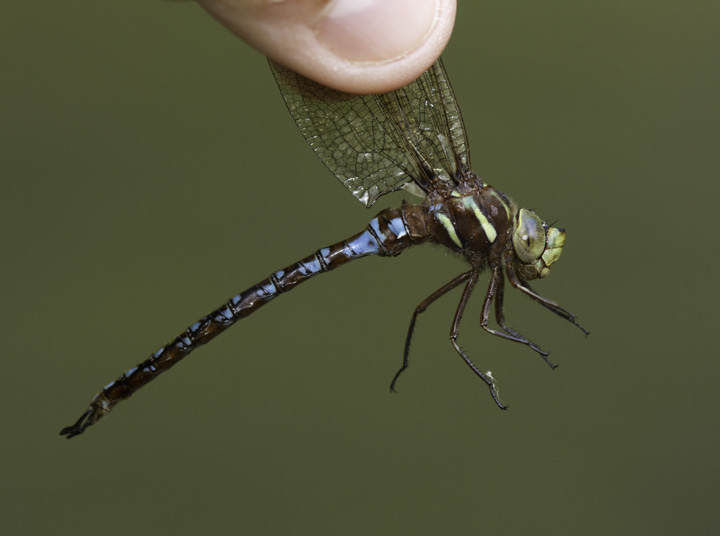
<point x="387" y="234"/>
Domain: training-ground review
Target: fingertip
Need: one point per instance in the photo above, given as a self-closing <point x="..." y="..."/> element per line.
<point x="383" y="47"/>
<point x="371" y="31"/>
<point x="357" y="46"/>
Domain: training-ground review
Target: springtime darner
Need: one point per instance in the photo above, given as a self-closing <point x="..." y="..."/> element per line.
<point x="412" y="138"/>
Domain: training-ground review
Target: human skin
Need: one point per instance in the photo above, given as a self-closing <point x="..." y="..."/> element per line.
<point x="358" y="46"/>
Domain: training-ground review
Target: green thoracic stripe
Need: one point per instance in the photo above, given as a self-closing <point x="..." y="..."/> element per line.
<point x="488" y="227"/>
<point x="499" y="198"/>
<point x="449" y="227"/>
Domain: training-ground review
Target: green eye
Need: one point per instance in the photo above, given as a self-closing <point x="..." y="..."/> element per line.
<point x="529" y="236"/>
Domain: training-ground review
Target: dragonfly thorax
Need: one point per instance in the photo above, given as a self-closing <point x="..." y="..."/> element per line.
<point x="477" y="224"/>
<point x="486" y="227"/>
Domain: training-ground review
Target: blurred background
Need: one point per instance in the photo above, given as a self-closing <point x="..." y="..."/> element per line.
<point x="150" y="171"/>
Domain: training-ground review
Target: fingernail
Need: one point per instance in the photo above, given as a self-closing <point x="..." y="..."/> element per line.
<point x="375" y="30"/>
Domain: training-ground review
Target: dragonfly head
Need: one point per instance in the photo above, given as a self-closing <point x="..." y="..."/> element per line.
<point x="536" y="245"/>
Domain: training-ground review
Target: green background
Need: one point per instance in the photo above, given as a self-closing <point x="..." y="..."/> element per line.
<point x="150" y="170"/>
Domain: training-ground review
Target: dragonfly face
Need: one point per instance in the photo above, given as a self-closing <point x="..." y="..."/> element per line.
<point x="536" y="245"/>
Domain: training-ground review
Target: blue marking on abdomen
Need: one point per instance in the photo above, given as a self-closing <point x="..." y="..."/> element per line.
<point x="366" y="244"/>
<point x="397" y="226"/>
<point x="226" y="315"/>
<point x="313" y="267"/>
<point x="269" y="289"/>
<point x="375" y="225"/>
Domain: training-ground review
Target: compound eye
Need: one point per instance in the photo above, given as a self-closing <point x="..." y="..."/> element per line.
<point x="529" y="236"/>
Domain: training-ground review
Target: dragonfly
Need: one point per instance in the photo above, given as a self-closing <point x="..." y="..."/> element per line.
<point x="413" y="139"/>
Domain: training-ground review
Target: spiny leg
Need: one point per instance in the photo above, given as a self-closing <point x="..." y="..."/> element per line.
<point x="419" y="309"/>
<point x="499" y="311"/>
<point x="548" y="304"/>
<point x="496" y="291"/>
<point x="454" y="331"/>
<point x="555" y="308"/>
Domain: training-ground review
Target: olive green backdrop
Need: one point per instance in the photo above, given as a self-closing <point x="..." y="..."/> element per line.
<point x="150" y="170"/>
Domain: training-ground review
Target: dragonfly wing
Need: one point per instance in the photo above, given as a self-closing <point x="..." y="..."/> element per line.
<point x="376" y="144"/>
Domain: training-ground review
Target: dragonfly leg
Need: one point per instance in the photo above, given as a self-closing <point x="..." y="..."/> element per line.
<point x="419" y="309"/>
<point x="454" y="331"/>
<point x="496" y="292"/>
<point x="499" y="309"/>
<point x="548" y="304"/>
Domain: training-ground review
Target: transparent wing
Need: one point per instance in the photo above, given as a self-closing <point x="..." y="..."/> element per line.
<point x="376" y="144"/>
